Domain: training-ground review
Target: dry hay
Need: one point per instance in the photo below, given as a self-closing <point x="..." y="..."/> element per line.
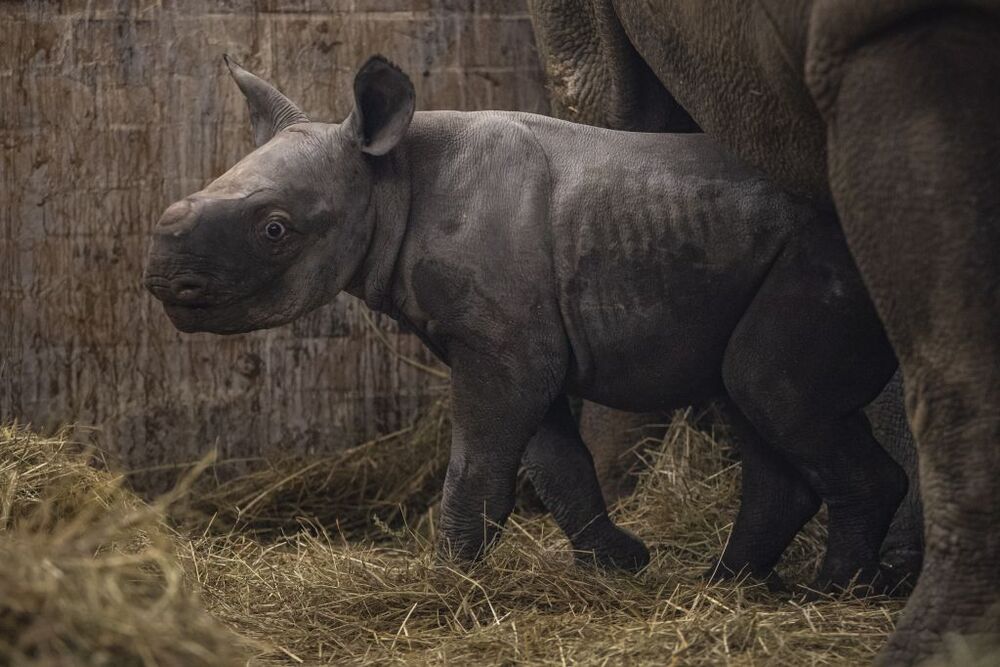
<point x="393" y="478"/>
<point x="332" y="563"/>
<point x="88" y="573"/>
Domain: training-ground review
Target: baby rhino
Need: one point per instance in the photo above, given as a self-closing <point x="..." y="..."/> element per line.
<point x="540" y="259"/>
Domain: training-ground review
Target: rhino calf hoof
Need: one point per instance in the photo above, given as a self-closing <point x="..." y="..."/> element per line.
<point x="869" y="581"/>
<point x="620" y="550"/>
<point x="463" y="550"/>
<point x="901" y="568"/>
<point x="719" y="573"/>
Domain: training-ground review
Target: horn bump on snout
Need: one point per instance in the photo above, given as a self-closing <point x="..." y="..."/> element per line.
<point x="177" y="220"/>
<point x="270" y="111"/>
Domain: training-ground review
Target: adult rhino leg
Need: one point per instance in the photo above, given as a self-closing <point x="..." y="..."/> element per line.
<point x="914" y="159"/>
<point x="562" y="472"/>
<point x="611" y="436"/>
<point x="903" y="548"/>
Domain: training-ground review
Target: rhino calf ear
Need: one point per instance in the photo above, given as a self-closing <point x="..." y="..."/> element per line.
<point x="270" y="111"/>
<point x="383" y="106"/>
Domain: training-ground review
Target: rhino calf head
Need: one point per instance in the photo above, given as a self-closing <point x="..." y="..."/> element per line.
<point x="288" y="227"/>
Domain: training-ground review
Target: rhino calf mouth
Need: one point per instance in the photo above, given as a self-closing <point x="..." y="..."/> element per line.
<point x="189" y="290"/>
<point x="193" y="305"/>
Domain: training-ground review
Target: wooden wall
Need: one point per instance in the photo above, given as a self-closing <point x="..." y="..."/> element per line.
<point x="110" y="110"/>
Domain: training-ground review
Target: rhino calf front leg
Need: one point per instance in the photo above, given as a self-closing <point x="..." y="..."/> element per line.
<point x="562" y="471"/>
<point x="495" y="412"/>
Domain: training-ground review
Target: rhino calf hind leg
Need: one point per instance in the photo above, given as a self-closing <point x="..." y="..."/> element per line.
<point x="861" y="495"/>
<point x="914" y="149"/>
<point x="775" y="502"/>
<point x="847" y="468"/>
<point x="807" y="355"/>
<point x="903" y="548"/>
<point x="562" y="471"/>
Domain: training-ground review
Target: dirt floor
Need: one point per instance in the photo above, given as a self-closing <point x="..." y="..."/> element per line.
<point x="331" y="562"/>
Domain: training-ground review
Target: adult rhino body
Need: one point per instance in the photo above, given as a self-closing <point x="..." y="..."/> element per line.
<point x="889" y="108"/>
<point x="539" y="258"/>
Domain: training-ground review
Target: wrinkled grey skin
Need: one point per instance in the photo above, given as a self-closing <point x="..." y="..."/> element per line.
<point x="889" y="108"/>
<point x="541" y="259"/>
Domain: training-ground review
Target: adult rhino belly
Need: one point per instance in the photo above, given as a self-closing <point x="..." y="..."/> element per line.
<point x="736" y="67"/>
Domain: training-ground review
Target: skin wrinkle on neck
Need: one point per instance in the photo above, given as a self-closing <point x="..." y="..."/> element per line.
<point x="373" y="283"/>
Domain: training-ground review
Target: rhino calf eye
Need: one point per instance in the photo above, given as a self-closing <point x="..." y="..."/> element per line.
<point x="274" y="230"/>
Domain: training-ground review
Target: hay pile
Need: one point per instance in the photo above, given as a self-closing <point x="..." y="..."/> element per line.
<point x="89" y="574"/>
<point x="330" y="562"/>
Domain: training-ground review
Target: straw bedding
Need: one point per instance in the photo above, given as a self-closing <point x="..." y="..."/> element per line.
<point x="330" y="561"/>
